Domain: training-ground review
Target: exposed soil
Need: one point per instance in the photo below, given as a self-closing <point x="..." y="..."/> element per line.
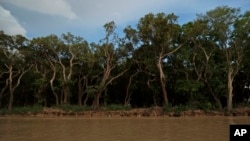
<point x="140" y="112"/>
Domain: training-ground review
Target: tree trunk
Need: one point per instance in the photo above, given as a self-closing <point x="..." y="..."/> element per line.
<point x="162" y="81"/>
<point x="128" y="95"/>
<point x="80" y="100"/>
<point x="155" y="100"/>
<point x="66" y="93"/>
<point x="11" y="97"/>
<point x="164" y="91"/>
<point x="3" y="90"/>
<point x="54" y="93"/>
<point x="86" y="100"/>
<point x="52" y="84"/>
<point x="217" y="100"/>
<point x="80" y="94"/>
<point x="127" y="100"/>
<point x="80" y="91"/>
<point x="12" y="87"/>
<point x="96" y="101"/>
<point x="11" y="101"/>
<point x="230" y="90"/>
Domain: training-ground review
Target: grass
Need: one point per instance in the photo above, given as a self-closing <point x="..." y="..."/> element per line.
<point x="22" y="110"/>
<point x="65" y="107"/>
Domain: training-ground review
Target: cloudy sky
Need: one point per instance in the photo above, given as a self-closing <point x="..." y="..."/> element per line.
<point x="36" y="18"/>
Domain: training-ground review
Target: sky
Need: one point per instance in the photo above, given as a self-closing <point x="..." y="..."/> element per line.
<point x="85" y="18"/>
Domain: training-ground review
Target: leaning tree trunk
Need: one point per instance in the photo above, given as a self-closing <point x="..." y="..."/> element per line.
<point x="52" y="82"/>
<point x="54" y="92"/>
<point x="164" y="91"/>
<point x="128" y="94"/>
<point x="210" y="91"/>
<point x="3" y="90"/>
<point x="162" y="81"/>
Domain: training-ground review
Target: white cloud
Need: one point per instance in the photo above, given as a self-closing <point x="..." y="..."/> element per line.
<point x="51" y="7"/>
<point x="95" y="13"/>
<point x="9" y="24"/>
<point x="43" y="17"/>
<point x="98" y="12"/>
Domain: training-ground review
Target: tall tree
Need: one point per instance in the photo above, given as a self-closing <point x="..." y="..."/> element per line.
<point x="45" y="55"/>
<point x="13" y="49"/>
<point x="108" y="55"/>
<point x="69" y="57"/>
<point x="221" y="22"/>
<point x="159" y="34"/>
<point x="241" y="37"/>
<point x="203" y="54"/>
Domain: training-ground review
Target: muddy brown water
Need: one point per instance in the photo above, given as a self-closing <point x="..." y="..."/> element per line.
<point x="131" y="129"/>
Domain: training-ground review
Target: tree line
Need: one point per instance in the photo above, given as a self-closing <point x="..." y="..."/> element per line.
<point x="202" y="63"/>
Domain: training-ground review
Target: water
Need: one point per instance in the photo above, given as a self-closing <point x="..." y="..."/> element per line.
<point x="132" y="129"/>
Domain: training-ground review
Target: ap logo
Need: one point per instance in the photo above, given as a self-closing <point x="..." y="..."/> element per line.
<point x="239" y="132"/>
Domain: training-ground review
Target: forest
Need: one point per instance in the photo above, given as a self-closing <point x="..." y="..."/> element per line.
<point x="203" y="63"/>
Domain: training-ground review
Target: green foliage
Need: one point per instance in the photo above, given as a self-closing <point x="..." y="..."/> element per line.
<point x="40" y="81"/>
<point x="23" y="110"/>
<point x="91" y="90"/>
<point x="206" y="106"/>
<point x="189" y="86"/>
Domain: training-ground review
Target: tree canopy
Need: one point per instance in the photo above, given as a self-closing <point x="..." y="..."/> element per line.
<point x="203" y="63"/>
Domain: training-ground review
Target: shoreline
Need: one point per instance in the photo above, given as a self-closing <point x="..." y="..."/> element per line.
<point x="152" y="112"/>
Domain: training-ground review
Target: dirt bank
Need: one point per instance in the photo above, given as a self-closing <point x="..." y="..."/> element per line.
<point x="140" y="112"/>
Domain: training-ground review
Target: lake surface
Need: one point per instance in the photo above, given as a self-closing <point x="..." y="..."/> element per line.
<point x="131" y="129"/>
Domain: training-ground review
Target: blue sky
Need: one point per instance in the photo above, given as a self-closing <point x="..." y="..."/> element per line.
<point x="85" y="18"/>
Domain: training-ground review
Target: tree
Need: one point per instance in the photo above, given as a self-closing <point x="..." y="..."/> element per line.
<point x="159" y="34"/>
<point x="69" y="57"/>
<point x="242" y="39"/>
<point x="221" y="22"/>
<point x="130" y="42"/>
<point x="108" y="57"/>
<point x="203" y="54"/>
<point x="45" y="57"/>
<point x="13" y="49"/>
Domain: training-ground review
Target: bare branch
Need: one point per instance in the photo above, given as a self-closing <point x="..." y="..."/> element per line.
<point x="173" y="51"/>
<point x="117" y="76"/>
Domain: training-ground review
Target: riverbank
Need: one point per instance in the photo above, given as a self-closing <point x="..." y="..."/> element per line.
<point x="138" y="112"/>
